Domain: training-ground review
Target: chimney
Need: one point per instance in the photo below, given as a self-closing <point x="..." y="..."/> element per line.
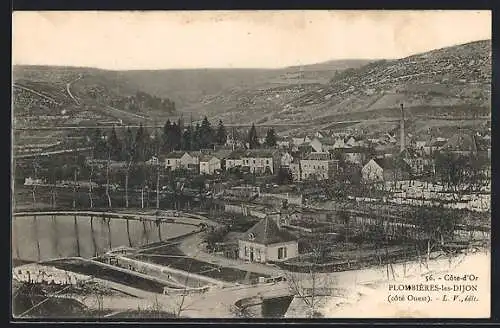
<point x="402" y="129"/>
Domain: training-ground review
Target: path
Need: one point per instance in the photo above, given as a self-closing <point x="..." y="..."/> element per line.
<point x="68" y="85"/>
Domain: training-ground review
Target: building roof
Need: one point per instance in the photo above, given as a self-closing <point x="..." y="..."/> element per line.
<point x="461" y="142"/>
<point x="390" y="164"/>
<point x="327" y="140"/>
<point x="384" y="163"/>
<point x="176" y="154"/>
<point x="222" y="153"/>
<point x="195" y="153"/>
<point x="237" y="154"/>
<point x="352" y="150"/>
<point x="206" y="158"/>
<point x="318" y="157"/>
<point x="259" y="153"/>
<point x="233" y="236"/>
<point x="437" y="143"/>
<point x="267" y="232"/>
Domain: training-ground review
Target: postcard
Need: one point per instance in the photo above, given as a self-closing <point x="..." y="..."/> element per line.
<point x="251" y="164"/>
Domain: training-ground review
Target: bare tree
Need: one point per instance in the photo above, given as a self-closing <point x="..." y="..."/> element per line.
<point x="158" y="186"/>
<point x="91" y="174"/>
<point x="36" y="167"/>
<point x="156" y="308"/>
<point x="312" y="286"/>
<point x="75" y="173"/>
<point x="127" y="174"/>
<point x="107" y="178"/>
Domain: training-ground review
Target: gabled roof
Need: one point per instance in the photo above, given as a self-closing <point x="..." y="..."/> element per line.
<point x="408" y="153"/>
<point x="327" y="140"/>
<point x="237" y="154"/>
<point x="223" y="153"/>
<point x="390" y="164"/>
<point x="261" y="153"/>
<point x="206" y="158"/>
<point x="267" y="232"/>
<point x="176" y="154"/>
<point x="384" y="163"/>
<point x="198" y="153"/>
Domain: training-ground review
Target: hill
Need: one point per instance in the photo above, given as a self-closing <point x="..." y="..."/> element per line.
<point x="45" y="96"/>
<point x="184" y="87"/>
<point x="441" y="90"/>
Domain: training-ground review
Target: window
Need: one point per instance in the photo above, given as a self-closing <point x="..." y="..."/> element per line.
<point x="254" y="161"/>
<point x="251" y="236"/>
<point x="168" y="161"/>
<point x="281" y="253"/>
<point x="267" y="161"/>
<point x="246" y="251"/>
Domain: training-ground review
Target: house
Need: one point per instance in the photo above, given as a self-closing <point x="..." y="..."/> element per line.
<point x="339" y="144"/>
<point x="153" y="161"/>
<point x="222" y="154"/>
<point x="319" y="166"/>
<point x="181" y="160"/>
<point x="418" y="164"/>
<point x="352" y="142"/>
<point x="295" y="169"/>
<point x="283" y="144"/>
<point x="316" y="145"/>
<point x="299" y="141"/>
<point x="267" y="242"/>
<point x="355" y="155"/>
<point x="209" y="164"/>
<point x="286" y="159"/>
<point x="319" y="135"/>
<point x="390" y="138"/>
<point x="434" y="145"/>
<point x="259" y="162"/>
<point x="382" y="169"/>
<point x="462" y="143"/>
<point x="234" y="159"/>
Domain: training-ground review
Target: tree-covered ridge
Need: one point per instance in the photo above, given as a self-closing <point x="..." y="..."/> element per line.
<point x="143" y="102"/>
<point x="138" y="102"/>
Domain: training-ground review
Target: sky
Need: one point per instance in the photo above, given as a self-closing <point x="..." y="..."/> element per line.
<point x="238" y="39"/>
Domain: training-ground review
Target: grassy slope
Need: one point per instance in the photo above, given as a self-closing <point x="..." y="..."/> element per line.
<point x="444" y="83"/>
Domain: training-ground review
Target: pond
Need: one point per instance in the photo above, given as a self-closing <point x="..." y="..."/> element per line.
<point x="45" y="237"/>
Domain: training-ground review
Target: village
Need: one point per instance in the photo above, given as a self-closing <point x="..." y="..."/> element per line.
<point x="271" y="206"/>
<point x="319" y="179"/>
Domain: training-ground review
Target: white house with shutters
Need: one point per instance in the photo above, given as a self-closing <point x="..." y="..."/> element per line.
<point x="267" y="242"/>
<point x="181" y="160"/>
<point x="209" y="164"/>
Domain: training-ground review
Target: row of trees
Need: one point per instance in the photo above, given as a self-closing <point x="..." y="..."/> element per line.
<point x="457" y="171"/>
<point x="142" y="145"/>
<point x="253" y="139"/>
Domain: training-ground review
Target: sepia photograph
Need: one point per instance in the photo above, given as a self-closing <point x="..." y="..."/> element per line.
<point x="293" y="164"/>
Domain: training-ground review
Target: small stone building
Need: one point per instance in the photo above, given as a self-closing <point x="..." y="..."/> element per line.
<point x="267" y="242"/>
